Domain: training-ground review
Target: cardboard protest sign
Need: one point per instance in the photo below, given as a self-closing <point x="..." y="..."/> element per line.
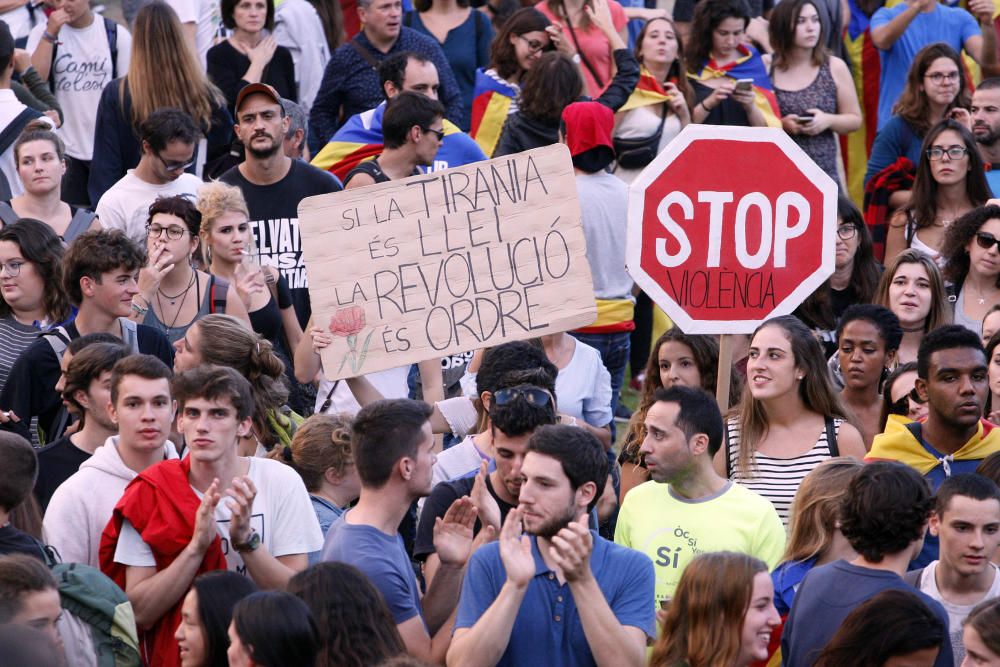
<point x="446" y="262"/>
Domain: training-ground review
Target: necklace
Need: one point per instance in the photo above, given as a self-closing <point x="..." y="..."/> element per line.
<point x="183" y="293"/>
<point x="981" y="299"/>
<point x="177" y="313"/>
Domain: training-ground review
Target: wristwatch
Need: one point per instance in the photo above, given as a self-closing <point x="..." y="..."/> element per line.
<point x="252" y="543"/>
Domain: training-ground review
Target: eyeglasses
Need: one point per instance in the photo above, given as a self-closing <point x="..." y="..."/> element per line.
<point x="438" y="133"/>
<point x="530" y="393"/>
<point x="533" y="46"/>
<point x="12" y="269"/>
<point x="174" y="232"/>
<point x="985" y="240"/>
<point x="847" y="232"/>
<point x="938" y="77"/>
<point x="953" y="152"/>
<point x="174" y="166"/>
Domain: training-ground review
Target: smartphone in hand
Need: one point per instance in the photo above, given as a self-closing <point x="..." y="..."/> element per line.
<point x="744" y="85"/>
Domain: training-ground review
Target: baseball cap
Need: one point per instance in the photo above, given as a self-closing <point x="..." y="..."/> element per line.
<point x="261" y="88"/>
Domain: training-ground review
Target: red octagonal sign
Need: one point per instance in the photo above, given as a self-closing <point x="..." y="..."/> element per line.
<point x="729" y="226"/>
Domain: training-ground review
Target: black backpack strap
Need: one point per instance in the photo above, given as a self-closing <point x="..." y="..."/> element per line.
<point x="14" y="127"/>
<point x="7" y="214"/>
<point x="729" y="460"/>
<point x="80" y="223"/>
<point x="831" y="437"/>
<point x="111" y="29"/>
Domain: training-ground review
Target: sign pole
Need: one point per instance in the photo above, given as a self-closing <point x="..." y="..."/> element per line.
<point x="724" y="372"/>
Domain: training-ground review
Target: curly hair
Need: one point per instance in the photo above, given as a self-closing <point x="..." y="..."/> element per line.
<point x="355" y="626"/>
<point x="40" y="246"/>
<point x="880" y="317"/>
<point x="226" y="341"/>
<point x="320" y="443"/>
<point x="885" y="510"/>
<point x="95" y="253"/>
<point x="958" y="236"/>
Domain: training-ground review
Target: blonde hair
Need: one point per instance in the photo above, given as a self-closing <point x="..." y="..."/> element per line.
<point x="215" y="199"/>
<point x="164" y="71"/>
<point x="940" y="313"/>
<point x="815" y="509"/>
<point x="320" y="443"/>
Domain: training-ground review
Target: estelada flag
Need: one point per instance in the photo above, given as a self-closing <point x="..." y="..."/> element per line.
<point x="866" y="68"/>
<point x="491" y="100"/>
<point x="748" y="66"/>
<point x="648" y="91"/>
<point x="360" y="138"/>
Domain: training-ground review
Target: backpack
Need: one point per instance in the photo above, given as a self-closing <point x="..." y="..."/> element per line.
<point x="111" y="30"/>
<point x="218" y="289"/>
<point x="80" y="222"/>
<point x="96" y="602"/>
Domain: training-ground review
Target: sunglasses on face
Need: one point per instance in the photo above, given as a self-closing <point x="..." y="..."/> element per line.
<point x="901" y="406"/>
<point x="985" y="240"/>
<point x="530" y="393"/>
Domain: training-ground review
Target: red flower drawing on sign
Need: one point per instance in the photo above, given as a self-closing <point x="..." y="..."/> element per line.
<point x="348" y="323"/>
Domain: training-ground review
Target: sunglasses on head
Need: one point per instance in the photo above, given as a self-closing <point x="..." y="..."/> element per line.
<point x="530" y="393"/>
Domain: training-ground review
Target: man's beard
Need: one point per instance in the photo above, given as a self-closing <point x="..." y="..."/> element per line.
<point x="989" y="139"/>
<point x="554" y="525"/>
<point x="265" y="153"/>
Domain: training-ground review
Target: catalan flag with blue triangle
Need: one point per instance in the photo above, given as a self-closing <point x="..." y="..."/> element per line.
<point x="360" y="139"/>
<point x="748" y="65"/>
<point x="491" y="100"/>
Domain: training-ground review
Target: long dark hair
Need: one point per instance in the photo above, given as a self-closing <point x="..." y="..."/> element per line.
<point x="913" y="105"/>
<point x="277" y="629"/>
<point x="677" y="72"/>
<point x="503" y="57"/>
<point x="218" y="592"/>
<point x="40" y="246"/>
<point x="331" y="17"/>
<point x="923" y="200"/>
<point x="957" y="238"/>
<point x="708" y="14"/>
<point x="781" y="31"/>
<point x="355" y="626"/>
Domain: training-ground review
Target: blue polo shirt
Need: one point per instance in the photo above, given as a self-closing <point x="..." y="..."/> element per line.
<point x="547" y="630"/>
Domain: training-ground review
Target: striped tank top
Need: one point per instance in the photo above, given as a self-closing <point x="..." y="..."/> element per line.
<point x="777" y="479"/>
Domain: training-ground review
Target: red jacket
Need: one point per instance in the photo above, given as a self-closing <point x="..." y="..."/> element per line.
<point x="161" y="505"/>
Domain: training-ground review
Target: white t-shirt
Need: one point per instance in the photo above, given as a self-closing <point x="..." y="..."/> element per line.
<point x="583" y="388"/>
<point x="19" y="21"/>
<point x="282" y="515"/>
<point x="207" y="15"/>
<point x="956" y="612"/>
<point x="391" y="383"/>
<point x="81" y="71"/>
<point x="125" y="206"/>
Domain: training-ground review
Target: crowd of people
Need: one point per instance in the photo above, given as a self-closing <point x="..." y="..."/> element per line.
<point x="181" y="484"/>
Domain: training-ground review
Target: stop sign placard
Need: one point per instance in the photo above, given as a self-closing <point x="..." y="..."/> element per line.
<point x="729" y="226"/>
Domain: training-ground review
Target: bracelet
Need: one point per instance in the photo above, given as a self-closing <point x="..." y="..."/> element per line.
<point x="139" y="310"/>
<point x="49" y="37"/>
<point x="139" y="296"/>
<point x="705" y="106"/>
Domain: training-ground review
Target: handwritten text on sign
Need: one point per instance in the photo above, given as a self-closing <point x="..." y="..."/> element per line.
<point x="442" y="263"/>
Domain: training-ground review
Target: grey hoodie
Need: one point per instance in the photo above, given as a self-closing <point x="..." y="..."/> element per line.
<point x="82" y="505"/>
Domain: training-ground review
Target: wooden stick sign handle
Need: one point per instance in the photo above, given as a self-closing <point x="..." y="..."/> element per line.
<point x="724" y="372"/>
